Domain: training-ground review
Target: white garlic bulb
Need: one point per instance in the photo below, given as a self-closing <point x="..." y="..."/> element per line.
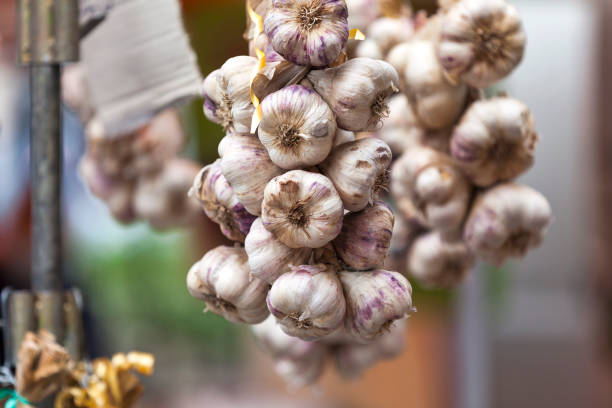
<point x="359" y="171"/>
<point x="307" y="32"/>
<point x="401" y="130"/>
<point x="302" y="209"/>
<point x="268" y="257"/>
<point x="436" y="102"/>
<point x="481" y="41"/>
<point x="353" y="359"/>
<point x="425" y="184"/>
<point x="439" y="263"/>
<point x="364" y="240"/>
<point x="404" y="233"/>
<point x="368" y="48"/>
<point x="307" y="302"/>
<point x="221" y="278"/>
<point x="374" y="300"/>
<point x="362" y="13"/>
<point x="279" y="344"/>
<point x="248" y="169"/>
<point x="220" y="203"/>
<point x="357" y="91"/>
<point x="386" y="32"/>
<point x="506" y="221"/>
<point x="297" y="127"/>
<point x="226" y="92"/>
<point x="161" y="198"/>
<point x="299" y="373"/>
<point x="495" y="141"/>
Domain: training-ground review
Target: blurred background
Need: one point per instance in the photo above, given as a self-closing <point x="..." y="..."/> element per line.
<point x="535" y="333"/>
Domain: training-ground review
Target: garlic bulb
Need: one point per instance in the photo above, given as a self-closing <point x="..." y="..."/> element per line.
<point x="425" y="180"/>
<point x="357" y="91"/>
<point x="368" y="48"/>
<point x="506" y="221"/>
<point x="268" y="257"/>
<point x="307" y="32"/>
<point x="162" y="199"/>
<point x="374" y="300"/>
<point x="343" y="136"/>
<point x="439" y="263"/>
<point x="226" y="93"/>
<point x="220" y="203"/>
<point x="302" y="209"/>
<point x="278" y="344"/>
<point x="495" y="141"/>
<point x="247" y="167"/>
<point x="436" y="102"/>
<point x="404" y="233"/>
<point x="307" y="302"/>
<point x="364" y="240"/>
<point x="401" y="130"/>
<point x="353" y="359"/>
<point x="481" y="41"/>
<point x="221" y="278"/>
<point x="299" y="373"/>
<point x="362" y="13"/>
<point x="297" y="127"/>
<point x="386" y="32"/>
<point x="359" y="171"/>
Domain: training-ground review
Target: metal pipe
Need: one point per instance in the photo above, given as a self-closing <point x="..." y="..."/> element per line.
<point x="45" y="158"/>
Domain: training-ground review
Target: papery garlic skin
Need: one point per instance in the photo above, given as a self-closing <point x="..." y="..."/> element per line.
<point x="506" y="221"/>
<point x="248" y="169"/>
<point x="359" y="171"/>
<point x="481" y="41"/>
<point x="268" y="257"/>
<point x="220" y="203"/>
<point x="307" y="302"/>
<point x="302" y="209"/>
<point x="357" y="91"/>
<point x="343" y="136"/>
<point x="436" y="102"/>
<point x="307" y="32"/>
<point x="374" y="300"/>
<point x="221" y="278"/>
<point x="161" y="199"/>
<point x="364" y="240"/>
<point x="226" y="93"/>
<point x="297" y="127"/>
<point x="439" y="263"/>
<point x="495" y="141"/>
<point x="353" y="359"/>
<point x="426" y="185"/>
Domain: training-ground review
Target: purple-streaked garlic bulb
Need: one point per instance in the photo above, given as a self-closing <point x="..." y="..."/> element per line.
<point x="222" y="280"/>
<point x="481" y="41"/>
<point x="374" y="301"/>
<point x="506" y="221"/>
<point x="226" y="93"/>
<point x="268" y="257"/>
<point x="297" y="127"/>
<point x="495" y="141"/>
<point x="357" y="91"/>
<point x="364" y="240"/>
<point x="220" y="203"/>
<point x="302" y="209"/>
<point x="307" y="302"/>
<point x="359" y="171"/>
<point x="307" y="32"/>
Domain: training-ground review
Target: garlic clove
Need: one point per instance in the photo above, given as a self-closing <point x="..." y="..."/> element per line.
<point x="439" y="263"/>
<point x="297" y="127"/>
<point x="374" y="301"/>
<point x="247" y="168"/>
<point x="268" y="257"/>
<point x="359" y="171"/>
<point x="220" y="203"/>
<point x="357" y="91"/>
<point x="437" y="103"/>
<point x="495" y="141"/>
<point x="302" y="209"/>
<point x="506" y="221"/>
<point x="226" y="92"/>
<point x="221" y="278"/>
<point x="481" y="41"/>
<point x="307" y="32"/>
<point x="307" y="302"/>
<point x="364" y="240"/>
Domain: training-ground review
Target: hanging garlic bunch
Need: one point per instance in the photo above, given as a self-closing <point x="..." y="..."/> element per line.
<point x="357" y="91"/>
<point x="226" y="95"/>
